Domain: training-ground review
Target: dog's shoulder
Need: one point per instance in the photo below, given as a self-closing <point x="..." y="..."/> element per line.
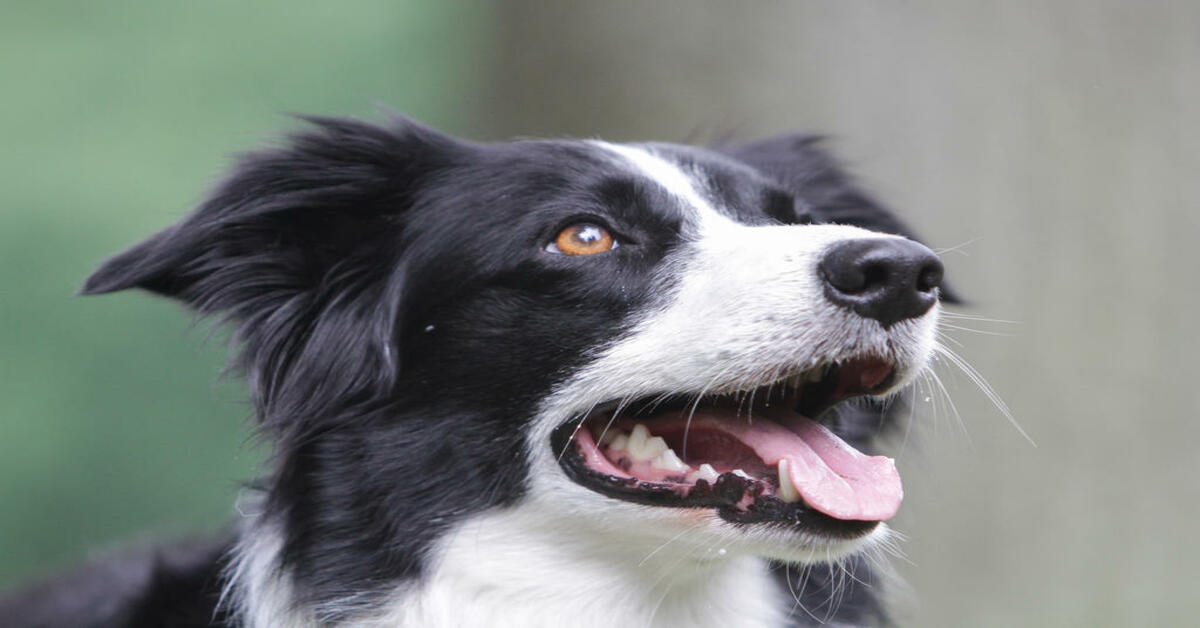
<point x="162" y="585"/>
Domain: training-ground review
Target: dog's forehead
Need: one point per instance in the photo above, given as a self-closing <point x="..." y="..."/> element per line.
<point x="709" y="188"/>
<point x="686" y="185"/>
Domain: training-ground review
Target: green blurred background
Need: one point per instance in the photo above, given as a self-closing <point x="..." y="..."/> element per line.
<point x="1053" y="148"/>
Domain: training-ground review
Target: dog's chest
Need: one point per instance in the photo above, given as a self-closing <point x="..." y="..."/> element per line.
<point x="494" y="573"/>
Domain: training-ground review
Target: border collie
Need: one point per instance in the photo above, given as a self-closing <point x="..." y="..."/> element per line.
<point x="537" y="383"/>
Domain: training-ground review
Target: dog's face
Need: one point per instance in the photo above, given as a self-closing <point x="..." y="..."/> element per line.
<point x="634" y="338"/>
<point x="697" y="417"/>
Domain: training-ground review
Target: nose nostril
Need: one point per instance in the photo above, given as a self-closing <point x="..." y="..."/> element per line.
<point x="850" y="280"/>
<point x="929" y="278"/>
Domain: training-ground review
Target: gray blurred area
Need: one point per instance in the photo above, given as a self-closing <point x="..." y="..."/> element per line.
<point x="1053" y="150"/>
<point x="1050" y="150"/>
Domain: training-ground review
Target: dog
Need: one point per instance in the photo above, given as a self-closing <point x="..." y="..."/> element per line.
<point x="535" y="383"/>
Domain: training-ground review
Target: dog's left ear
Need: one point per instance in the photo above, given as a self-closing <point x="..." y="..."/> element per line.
<point x="300" y="248"/>
<point x="804" y="167"/>
<point x="288" y="220"/>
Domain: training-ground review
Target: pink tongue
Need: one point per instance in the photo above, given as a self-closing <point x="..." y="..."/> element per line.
<point x="830" y="475"/>
<point x="840" y="481"/>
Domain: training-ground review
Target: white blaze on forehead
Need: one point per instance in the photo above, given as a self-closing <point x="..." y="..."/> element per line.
<point x="671" y="178"/>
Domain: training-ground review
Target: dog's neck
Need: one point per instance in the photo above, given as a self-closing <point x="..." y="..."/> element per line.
<point x="522" y="568"/>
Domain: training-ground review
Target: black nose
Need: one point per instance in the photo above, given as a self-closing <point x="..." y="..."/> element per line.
<point x="889" y="280"/>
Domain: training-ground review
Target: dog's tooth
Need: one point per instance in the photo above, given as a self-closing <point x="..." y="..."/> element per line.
<point x="787" y="490"/>
<point x="742" y="474"/>
<point x="620" y="442"/>
<point x="667" y="460"/>
<point x="637" y="442"/>
<point x="607" y="437"/>
<point x="654" y="446"/>
<point x="706" y="472"/>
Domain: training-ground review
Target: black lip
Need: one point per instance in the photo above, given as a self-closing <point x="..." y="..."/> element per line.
<point x="723" y="495"/>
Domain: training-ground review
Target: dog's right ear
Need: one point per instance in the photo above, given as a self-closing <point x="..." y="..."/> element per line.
<point x="289" y="220"/>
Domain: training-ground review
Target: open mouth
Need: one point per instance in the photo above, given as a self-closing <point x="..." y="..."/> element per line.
<point x="756" y="455"/>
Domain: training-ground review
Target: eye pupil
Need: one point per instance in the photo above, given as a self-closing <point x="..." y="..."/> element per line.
<point x="583" y="239"/>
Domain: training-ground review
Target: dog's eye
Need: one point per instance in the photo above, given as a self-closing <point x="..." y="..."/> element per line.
<point x="582" y="238"/>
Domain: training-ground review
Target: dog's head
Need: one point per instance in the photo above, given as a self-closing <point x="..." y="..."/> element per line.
<point x="639" y="339"/>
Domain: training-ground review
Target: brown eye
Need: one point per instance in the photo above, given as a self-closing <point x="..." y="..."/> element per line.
<point x="583" y="238"/>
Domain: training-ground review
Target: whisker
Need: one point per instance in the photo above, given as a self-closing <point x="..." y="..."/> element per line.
<point x="953" y="408"/>
<point x="956" y="248"/>
<point x="973" y="317"/>
<point x="838" y="588"/>
<point x="687" y="426"/>
<point x="621" y="405"/>
<point x="582" y="418"/>
<point x="663" y="574"/>
<point x="974" y="331"/>
<point x="922" y="378"/>
<point x="942" y="335"/>
<point x="669" y="541"/>
<point x="984" y="386"/>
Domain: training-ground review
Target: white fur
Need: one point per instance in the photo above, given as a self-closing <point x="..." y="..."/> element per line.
<point x="741" y="306"/>
<point x="530" y="566"/>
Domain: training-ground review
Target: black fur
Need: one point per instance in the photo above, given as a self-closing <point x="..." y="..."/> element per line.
<point x="175" y="586"/>
<point x="843" y="596"/>
<point x="398" y="322"/>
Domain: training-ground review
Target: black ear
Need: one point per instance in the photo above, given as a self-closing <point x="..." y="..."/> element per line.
<point x="300" y="249"/>
<point x="287" y="220"/>
<point x="803" y="166"/>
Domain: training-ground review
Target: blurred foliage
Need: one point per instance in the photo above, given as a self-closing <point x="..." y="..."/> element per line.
<point x="113" y="420"/>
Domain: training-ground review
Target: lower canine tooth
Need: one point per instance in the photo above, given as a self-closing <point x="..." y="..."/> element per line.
<point x="706" y="472"/>
<point x="787" y="490"/>
<point x="620" y="442"/>
<point x="742" y="474"/>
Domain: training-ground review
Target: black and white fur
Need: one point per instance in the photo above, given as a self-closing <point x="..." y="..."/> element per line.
<point x="411" y="345"/>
